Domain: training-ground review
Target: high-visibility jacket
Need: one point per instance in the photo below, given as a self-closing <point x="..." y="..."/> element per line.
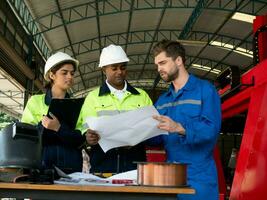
<point x="59" y="148"/>
<point x="100" y="102"/>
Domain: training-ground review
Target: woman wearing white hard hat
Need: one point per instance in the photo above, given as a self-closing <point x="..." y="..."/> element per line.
<point x="60" y="143"/>
<point x="115" y="95"/>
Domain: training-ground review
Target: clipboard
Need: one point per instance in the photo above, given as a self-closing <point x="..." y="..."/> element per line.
<point x="66" y="110"/>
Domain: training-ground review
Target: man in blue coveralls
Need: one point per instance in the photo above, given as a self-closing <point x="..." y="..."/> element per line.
<point x="191" y="112"/>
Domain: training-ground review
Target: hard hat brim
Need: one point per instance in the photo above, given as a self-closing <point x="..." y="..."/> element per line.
<point x="74" y="61"/>
<point x="110" y="62"/>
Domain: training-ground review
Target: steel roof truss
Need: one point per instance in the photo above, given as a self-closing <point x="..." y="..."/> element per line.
<point x="193" y="18"/>
<point x="25" y="17"/>
<point x="137" y="37"/>
<point x="115" y="7"/>
<point x="154" y="36"/>
<point x="68" y="37"/>
<point x="218" y="63"/>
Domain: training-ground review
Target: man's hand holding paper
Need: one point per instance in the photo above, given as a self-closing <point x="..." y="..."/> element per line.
<point x="125" y="129"/>
<point x="92" y="137"/>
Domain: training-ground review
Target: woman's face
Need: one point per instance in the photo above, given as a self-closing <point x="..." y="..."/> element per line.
<point x="64" y="77"/>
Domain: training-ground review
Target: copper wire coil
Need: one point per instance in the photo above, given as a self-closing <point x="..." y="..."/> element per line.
<point x="162" y="174"/>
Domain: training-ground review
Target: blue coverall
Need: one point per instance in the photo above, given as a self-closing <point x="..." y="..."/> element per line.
<point x="197" y="107"/>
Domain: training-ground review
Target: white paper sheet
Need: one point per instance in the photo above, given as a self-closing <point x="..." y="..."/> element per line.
<point x="79" y="178"/>
<point x="132" y="175"/>
<point x="125" y="129"/>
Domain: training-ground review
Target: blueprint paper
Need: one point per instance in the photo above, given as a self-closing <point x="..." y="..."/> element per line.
<point x="127" y="128"/>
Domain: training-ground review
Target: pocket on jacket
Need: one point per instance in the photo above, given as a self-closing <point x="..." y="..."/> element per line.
<point x="191" y="110"/>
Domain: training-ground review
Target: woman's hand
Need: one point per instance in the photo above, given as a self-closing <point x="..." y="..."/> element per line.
<point x="167" y="124"/>
<point x="92" y="137"/>
<point x="51" y="124"/>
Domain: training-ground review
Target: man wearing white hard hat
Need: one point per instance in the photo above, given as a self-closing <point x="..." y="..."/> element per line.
<point x="116" y="95"/>
<point x="60" y="143"/>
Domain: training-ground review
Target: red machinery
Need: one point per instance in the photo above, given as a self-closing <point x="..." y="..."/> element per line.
<point x="250" y="178"/>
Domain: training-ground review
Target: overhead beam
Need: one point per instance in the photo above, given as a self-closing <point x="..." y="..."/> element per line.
<point x="69" y="40"/>
<point x="129" y="24"/>
<point x="193" y="18"/>
<point x="196" y="38"/>
<point x="110" y="7"/>
<point x="98" y="26"/>
<point x="24" y="15"/>
<point x="10" y="108"/>
<point x="12" y="54"/>
<point x="137" y="60"/>
<point x="154" y="37"/>
<point x="98" y="32"/>
<point x="213" y="67"/>
<point x="11" y="94"/>
<point x="9" y="112"/>
<point x="218" y="29"/>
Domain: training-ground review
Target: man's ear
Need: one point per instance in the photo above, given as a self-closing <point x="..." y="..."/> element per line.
<point x="179" y="60"/>
<point x="104" y="70"/>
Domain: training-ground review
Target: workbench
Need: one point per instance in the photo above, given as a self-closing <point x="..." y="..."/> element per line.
<point x="82" y="192"/>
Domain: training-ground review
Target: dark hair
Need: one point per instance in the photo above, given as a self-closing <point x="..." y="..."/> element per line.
<point x="173" y="49"/>
<point x="54" y="69"/>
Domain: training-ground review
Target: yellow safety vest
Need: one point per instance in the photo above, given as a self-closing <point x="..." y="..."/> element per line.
<point x="96" y="104"/>
<point x="35" y="109"/>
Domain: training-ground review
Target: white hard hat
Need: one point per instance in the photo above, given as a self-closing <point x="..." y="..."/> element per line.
<point x="56" y="59"/>
<point x="112" y="54"/>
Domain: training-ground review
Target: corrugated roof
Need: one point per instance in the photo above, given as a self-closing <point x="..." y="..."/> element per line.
<point x="81" y="28"/>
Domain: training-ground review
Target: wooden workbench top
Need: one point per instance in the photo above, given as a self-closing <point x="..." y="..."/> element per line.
<point x="92" y="188"/>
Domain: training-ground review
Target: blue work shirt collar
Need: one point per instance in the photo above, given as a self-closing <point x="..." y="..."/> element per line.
<point x="48" y="96"/>
<point x="105" y="90"/>
<point x="190" y="85"/>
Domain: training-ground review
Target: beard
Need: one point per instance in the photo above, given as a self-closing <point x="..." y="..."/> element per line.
<point x="171" y="76"/>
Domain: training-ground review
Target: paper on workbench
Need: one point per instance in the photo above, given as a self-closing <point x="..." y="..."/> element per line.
<point x="79" y="178"/>
<point x="125" y="129"/>
<point x="132" y="175"/>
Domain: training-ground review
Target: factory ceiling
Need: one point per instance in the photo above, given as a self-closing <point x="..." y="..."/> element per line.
<point x="216" y="34"/>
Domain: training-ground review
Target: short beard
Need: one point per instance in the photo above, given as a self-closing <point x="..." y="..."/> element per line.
<point x="173" y="76"/>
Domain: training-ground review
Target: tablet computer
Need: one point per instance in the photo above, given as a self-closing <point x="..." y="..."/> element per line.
<point x="66" y="110"/>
